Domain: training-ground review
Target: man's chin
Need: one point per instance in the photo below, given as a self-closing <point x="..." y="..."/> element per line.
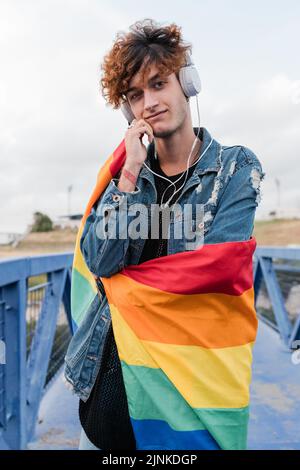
<point x="162" y="131"/>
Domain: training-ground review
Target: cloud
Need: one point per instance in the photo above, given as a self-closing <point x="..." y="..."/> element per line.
<point x="267" y="121"/>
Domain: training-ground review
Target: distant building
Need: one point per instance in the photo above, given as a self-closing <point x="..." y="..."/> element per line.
<point x="9" y="238"/>
<point x="68" y="221"/>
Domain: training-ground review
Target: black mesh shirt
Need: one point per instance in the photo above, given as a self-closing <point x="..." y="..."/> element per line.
<point x="105" y="416"/>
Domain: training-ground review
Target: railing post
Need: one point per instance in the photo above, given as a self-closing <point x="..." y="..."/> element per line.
<point x="14" y="296"/>
<point x="276" y="298"/>
<point x="39" y="357"/>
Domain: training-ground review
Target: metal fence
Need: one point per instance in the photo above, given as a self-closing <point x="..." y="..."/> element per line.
<point x="35" y="329"/>
<point x="277" y="291"/>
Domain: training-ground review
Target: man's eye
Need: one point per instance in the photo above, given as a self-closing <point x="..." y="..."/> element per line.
<point x="133" y="97"/>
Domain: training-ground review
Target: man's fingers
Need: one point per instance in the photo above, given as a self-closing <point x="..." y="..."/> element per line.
<point x="142" y="126"/>
<point x="150" y="130"/>
<point x="145" y="130"/>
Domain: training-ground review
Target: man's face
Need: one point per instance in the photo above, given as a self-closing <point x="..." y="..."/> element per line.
<point x="155" y="95"/>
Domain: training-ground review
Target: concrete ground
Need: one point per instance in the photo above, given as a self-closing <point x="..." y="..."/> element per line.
<point x="275" y="394"/>
<point x="58" y="424"/>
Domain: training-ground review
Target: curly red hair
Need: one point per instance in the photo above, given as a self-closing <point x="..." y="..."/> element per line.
<point x="147" y="43"/>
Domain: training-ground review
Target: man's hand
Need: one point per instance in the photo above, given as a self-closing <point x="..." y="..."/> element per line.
<point x="136" y="153"/>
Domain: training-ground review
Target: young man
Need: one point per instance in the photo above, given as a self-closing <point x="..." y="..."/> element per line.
<point x="143" y="69"/>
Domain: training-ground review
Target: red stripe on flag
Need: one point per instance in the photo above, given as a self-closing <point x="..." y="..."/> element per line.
<point x="220" y="267"/>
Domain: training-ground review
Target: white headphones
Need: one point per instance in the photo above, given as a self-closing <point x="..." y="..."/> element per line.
<point x="189" y="80"/>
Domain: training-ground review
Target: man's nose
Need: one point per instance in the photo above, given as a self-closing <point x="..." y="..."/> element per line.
<point x="150" y="100"/>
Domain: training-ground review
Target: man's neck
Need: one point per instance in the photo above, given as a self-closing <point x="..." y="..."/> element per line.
<point x="173" y="153"/>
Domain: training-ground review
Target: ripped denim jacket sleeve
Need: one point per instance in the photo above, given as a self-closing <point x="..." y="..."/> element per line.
<point x="234" y="219"/>
<point x="103" y="246"/>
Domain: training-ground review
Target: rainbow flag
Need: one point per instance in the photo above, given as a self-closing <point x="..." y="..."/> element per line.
<point x="83" y="285"/>
<point x="185" y="326"/>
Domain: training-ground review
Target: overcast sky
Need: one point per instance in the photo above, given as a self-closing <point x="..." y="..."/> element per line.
<point x="56" y="131"/>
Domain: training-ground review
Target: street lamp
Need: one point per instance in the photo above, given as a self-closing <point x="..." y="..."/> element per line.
<point x="277" y="182"/>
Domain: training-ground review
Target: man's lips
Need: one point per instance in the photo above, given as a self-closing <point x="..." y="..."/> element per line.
<point x="156" y="115"/>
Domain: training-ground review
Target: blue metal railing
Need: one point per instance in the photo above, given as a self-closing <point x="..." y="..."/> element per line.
<point x="35" y="327"/>
<point x="270" y="271"/>
<point x="35" y="338"/>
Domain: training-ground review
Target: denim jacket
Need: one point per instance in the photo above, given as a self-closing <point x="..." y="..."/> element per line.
<point x="226" y="182"/>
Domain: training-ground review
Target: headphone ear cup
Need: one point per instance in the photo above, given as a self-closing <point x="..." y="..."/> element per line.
<point x="190" y="80"/>
<point x="126" y="110"/>
<point x="189" y="77"/>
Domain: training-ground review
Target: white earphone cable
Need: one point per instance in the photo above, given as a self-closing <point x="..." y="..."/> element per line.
<point x="187" y="167"/>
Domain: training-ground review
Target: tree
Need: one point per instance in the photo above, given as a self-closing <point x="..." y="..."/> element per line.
<point x="42" y="223"/>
